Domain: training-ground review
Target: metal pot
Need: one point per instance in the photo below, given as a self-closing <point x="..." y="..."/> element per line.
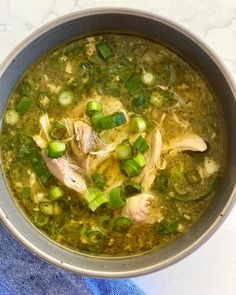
<point x="196" y="53"/>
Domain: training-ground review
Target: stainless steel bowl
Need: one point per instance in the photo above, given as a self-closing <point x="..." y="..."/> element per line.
<point x="196" y="53"/>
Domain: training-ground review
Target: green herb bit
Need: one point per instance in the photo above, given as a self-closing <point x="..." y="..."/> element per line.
<point x="26" y="193"/>
<point x="96" y="236"/>
<point x="24" y="104"/>
<point x="99" y="180"/>
<point x="168" y="227"/>
<point x="162" y="98"/>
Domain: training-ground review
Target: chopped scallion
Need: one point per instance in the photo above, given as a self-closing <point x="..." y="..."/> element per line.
<point x="130" y="168"/>
<point x="11" y="117"/>
<point x="132" y="189"/>
<point x="56" y="192"/>
<point x="41" y="219"/>
<point x="56" y="149"/>
<point x="93" y="107"/>
<point x="116" y="197"/>
<point x="140" y="159"/>
<point x="138" y="124"/>
<point x="104" y="50"/>
<point x="57" y="130"/>
<point x="108" y="122"/>
<point x="66" y="98"/>
<point x="124" y="150"/>
<point x="95" y="236"/>
<point x="140" y="144"/>
<point x="148" y="78"/>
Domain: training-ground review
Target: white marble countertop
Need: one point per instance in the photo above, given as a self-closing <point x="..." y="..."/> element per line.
<point x="212" y="268"/>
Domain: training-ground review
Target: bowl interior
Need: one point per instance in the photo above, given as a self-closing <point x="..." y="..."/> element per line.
<point x="93" y="22"/>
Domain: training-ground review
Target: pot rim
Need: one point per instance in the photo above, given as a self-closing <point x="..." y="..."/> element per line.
<point x="232" y="85"/>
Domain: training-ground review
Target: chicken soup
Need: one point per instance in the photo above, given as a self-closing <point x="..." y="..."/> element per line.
<point x="112" y="145"/>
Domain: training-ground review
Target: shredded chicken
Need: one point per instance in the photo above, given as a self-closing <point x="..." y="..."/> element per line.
<point x="66" y="172"/>
<point x="191" y="142"/>
<point x="84" y="136"/>
<point x="148" y="174"/>
<point x="143" y="208"/>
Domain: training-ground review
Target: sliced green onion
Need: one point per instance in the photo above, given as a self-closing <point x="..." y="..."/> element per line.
<point x="95" y="236"/>
<point x="193" y="176"/>
<point x="132" y="189"/>
<point x="57" y="130"/>
<point x="108" y="122"/>
<point x="56" y="192"/>
<point x="11" y="117"/>
<point x="104" y="222"/>
<point x="99" y="180"/>
<point x="46" y="208"/>
<point x="130" y="168"/>
<point x="41" y="219"/>
<point x="56" y="149"/>
<point x="116" y="197"/>
<point x="138" y="124"/>
<point x="104" y="50"/>
<point x="50" y="208"/>
<point x="121" y="224"/>
<point x="93" y="107"/>
<point x="66" y="98"/>
<point x="95" y="119"/>
<point x="148" y="78"/>
<point x="140" y="159"/>
<point x="95" y="198"/>
<point x="84" y="229"/>
<point x="140" y="144"/>
<point x="97" y="202"/>
<point x="24" y="104"/>
<point x="124" y="150"/>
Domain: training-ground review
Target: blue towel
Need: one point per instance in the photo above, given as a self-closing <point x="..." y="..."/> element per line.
<point x="22" y="273"/>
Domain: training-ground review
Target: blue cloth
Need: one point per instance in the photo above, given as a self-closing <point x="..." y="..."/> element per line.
<point x="22" y="273"/>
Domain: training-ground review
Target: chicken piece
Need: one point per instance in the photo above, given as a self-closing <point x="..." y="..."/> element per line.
<point x="84" y="136"/>
<point x="148" y="174"/>
<point x="66" y="172"/>
<point x="45" y="125"/>
<point x="143" y="208"/>
<point x="188" y="142"/>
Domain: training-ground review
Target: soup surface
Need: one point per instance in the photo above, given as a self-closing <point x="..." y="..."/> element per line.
<point x="112" y="145"/>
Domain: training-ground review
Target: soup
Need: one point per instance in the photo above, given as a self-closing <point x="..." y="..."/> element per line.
<point x="112" y="145"/>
